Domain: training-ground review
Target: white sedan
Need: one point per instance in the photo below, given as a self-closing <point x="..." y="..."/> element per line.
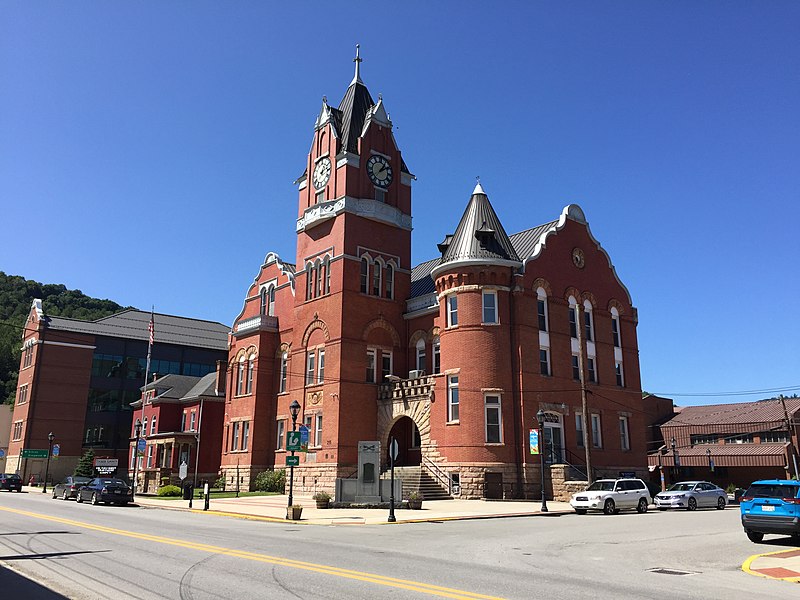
<point x="692" y="495"/>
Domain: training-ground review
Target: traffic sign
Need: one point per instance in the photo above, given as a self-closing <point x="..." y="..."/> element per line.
<point x="394" y="449"/>
<point x="29" y="453"/>
<point x="183" y="470"/>
<point x="292" y="461"/>
<point x="2" y="453"/>
<point x="293" y="441"/>
<point x="56" y="450"/>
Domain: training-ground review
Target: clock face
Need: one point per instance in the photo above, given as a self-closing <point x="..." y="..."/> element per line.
<point x="577" y="258"/>
<point x="322" y="172"/>
<point x="379" y="170"/>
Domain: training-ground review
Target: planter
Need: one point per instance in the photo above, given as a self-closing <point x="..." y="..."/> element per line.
<point x="323" y="503"/>
<point x="415" y="504"/>
<point x="293" y="512"/>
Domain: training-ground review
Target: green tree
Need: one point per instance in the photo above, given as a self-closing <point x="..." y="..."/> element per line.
<point x="85" y="466"/>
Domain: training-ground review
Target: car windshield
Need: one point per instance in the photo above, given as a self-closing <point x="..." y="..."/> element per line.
<point x="601" y="486"/>
<point x="766" y="490"/>
<point x="681" y="487"/>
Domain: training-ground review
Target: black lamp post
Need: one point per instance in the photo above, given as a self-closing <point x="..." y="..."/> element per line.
<point x="710" y="462"/>
<point x="294" y="408"/>
<point x="50" y="438"/>
<point x="137" y="431"/>
<point x="540" y="418"/>
<point x="676" y="459"/>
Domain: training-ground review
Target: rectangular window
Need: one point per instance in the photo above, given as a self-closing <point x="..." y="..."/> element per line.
<point x="573" y="328"/>
<point x="386" y="364"/>
<point x="364" y="275"/>
<point x="245" y="434"/>
<point x="542" y="313"/>
<point x="371" y="364"/>
<point x="490" y="308"/>
<point x="615" y="331"/>
<point x="389" y="281"/>
<point x="153" y="429"/>
<point x="240" y="378"/>
<point x="321" y="365"/>
<point x="587" y="325"/>
<point x="452" y="310"/>
<point x="592" y="371"/>
<point x="376" y="279"/>
<point x="183" y="421"/>
<point x="437" y="363"/>
<point x="544" y="361"/>
<point x="576" y="369"/>
<point x="150" y="456"/>
<point x="284" y="371"/>
<point x="597" y="437"/>
<point x="579" y="429"/>
<point x="235" y="438"/>
<point x="310" y="367"/>
<point x="251" y="367"/>
<point x="452" y="398"/>
<point x="624" y="438"/>
<point x="17" y="431"/>
<point x="494" y="431"/>
<point x="22" y="397"/>
<point x="421" y="357"/>
<point x="620" y="379"/>
<point x="28" y="358"/>
<point x="192" y="421"/>
<point x="281" y="434"/>
<point x="318" y="430"/>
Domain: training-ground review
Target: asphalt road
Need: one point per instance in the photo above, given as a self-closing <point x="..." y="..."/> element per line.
<point x="83" y="551"/>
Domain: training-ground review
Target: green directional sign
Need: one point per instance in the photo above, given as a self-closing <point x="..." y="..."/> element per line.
<point x="293" y="441"/>
<point x="34" y="453"/>
<point x="292" y="461"/>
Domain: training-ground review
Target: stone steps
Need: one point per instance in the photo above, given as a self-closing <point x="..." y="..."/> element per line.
<point x="416" y="479"/>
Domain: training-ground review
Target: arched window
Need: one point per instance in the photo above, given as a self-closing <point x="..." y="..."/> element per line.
<point x="437" y="365"/>
<point x="588" y="324"/>
<point x="264" y="307"/>
<point x="541" y="308"/>
<point x="144" y="426"/>
<point x="389" y="280"/>
<point x="251" y="365"/>
<point x="573" y="317"/>
<point x="271" y="301"/>
<point x="327" y="264"/>
<point x="318" y="283"/>
<point x="421" y="355"/>
<point x="615" y="332"/>
<point x="240" y="377"/>
<point x="153" y="429"/>
<point x="284" y="371"/>
<point x="309" y="281"/>
<point x="364" y="275"/>
<point x="376" y="277"/>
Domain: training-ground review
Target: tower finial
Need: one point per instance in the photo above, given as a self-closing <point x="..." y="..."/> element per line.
<point x="357" y="60"/>
<point x="478" y="187"/>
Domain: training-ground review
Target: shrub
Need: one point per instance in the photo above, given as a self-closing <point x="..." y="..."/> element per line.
<point x="271" y="481"/>
<point x="415" y="496"/>
<point x="731" y="488"/>
<point x="321" y="495"/>
<point x="169" y="490"/>
<point x="220" y="483"/>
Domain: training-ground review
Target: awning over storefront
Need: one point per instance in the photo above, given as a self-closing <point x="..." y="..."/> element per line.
<point x="725" y="455"/>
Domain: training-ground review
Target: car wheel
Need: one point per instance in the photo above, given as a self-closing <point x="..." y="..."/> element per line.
<point x="720" y="503"/>
<point x="54" y="495"/>
<point x="642" y="506"/>
<point x="691" y="504"/>
<point x="580" y="511"/>
<point x="79" y="498"/>
<point x="755" y="536"/>
<point x="95" y="501"/>
<point x="609" y="507"/>
<point x="65" y="495"/>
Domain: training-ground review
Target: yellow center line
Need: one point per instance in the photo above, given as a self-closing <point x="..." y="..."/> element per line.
<point x="405" y="584"/>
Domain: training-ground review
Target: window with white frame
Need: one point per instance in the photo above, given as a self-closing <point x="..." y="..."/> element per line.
<point x="364" y="274"/>
<point x="183" y="421"/>
<point x="251" y="367"/>
<point x="153" y="429"/>
<point x="192" y="421"/>
<point x="541" y="309"/>
<point x="420" y="355"/>
<point x="591" y="369"/>
<point x="235" y="436"/>
<point x="452" y="310"/>
<point x="490" y="307"/>
<point x="280" y="434"/>
<point x="318" y="430"/>
<point x="437" y="360"/>
<point x="579" y="429"/>
<point x="28" y="355"/>
<point x="144" y="426"/>
<point x="240" y="376"/>
<point x="284" y="371"/>
<point x="573" y="318"/>
<point x="309" y="281"/>
<point x="624" y="435"/>
<point x="268" y="300"/>
<point x="133" y="456"/>
<point x="311" y="361"/>
<point x="597" y="432"/>
<point x="22" y="396"/>
<point x="615" y="327"/>
<point x="494" y="428"/>
<point x="588" y="324"/>
<point x="620" y="376"/>
<point x="321" y="365"/>
<point x="386" y="364"/>
<point x="576" y="368"/>
<point x="376" y="277"/>
<point x="389" y="280"/>
<point x="372" y="360"/>
<point x="245" y="434"/>
<point x="544" y="361"/>
<point x="327" y="265"/>
<point x="17" y="435"/>
<point x="318" y="281"/>
<point x="150" y="456"/>
<point x="452" y="398"/>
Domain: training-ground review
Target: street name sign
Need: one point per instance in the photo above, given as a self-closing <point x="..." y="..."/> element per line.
<point x="293" y="441"/>
<point x="292" y="461"/>
<point x="29" y="453"/>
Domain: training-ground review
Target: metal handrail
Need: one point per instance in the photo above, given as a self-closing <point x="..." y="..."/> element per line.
<point x="436" y="472"/>
<point x="582" y="469"/>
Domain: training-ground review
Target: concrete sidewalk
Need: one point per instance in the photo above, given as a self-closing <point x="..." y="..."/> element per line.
<point x="273" y="508"/>
<point x="783" y="564"/>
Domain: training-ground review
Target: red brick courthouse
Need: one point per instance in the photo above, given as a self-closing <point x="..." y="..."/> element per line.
<point x="453" y="357"/>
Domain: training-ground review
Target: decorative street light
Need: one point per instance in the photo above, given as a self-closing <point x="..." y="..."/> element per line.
<point x="50" y="438"/>
<point x="710" y="462"/>
<point x="676" y="459"/>
<point x="540" y="418"/>
<point x="137" y="432"/>
<point x="294" y="408"/>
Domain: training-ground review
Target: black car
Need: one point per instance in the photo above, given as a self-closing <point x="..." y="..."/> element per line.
<point x="105" y="489"/>
<point x="10" y="482"/>
<point x="69" y="487"/>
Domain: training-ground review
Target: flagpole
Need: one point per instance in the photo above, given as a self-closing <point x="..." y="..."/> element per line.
<point x="151" y="339"/>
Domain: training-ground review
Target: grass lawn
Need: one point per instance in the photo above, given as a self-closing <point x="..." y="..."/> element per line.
<point x="198" y="494"/>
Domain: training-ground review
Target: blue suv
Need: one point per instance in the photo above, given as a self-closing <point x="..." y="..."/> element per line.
<point x="771" y="506"/>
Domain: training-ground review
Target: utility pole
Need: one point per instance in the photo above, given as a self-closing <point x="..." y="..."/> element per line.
<point x="587" y="437"/>
<point x="790" y="432"/>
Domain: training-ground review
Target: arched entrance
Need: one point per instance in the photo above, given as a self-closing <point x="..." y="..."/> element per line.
<point x="553" y="438"/>
<point x="406" y="433"/>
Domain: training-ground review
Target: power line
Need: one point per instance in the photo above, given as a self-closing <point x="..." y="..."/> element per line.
<point x="735" y="393"/>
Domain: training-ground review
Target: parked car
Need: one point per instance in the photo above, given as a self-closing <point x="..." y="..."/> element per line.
<point x="692" y="495"/>
<point x="612" y="495"/>
<point x="771" y="506"/>
<point x="105" y="489"/>
<point x="69" y="487"/>
<point x="10" y="482"/>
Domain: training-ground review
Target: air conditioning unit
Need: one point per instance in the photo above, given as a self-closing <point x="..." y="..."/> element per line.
<point x="415" y="374"/>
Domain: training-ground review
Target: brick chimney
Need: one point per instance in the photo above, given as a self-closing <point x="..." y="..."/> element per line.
<point x="221" y="373"/>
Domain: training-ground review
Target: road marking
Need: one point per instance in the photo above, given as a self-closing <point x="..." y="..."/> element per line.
<point x="405" y="584"/>
<point x="747" y="568"/>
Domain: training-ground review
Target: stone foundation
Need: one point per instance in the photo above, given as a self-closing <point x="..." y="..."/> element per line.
<point x="308" y="478"/>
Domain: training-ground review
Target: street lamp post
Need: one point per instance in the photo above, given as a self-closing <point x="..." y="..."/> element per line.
<point x="50" y="438"/>
<point x="540" y="418"/>
<point x="676" y="459"/>
<point x="137" y="431"/>
<point x="294" y="408"/>
<point x="710" y="462"/>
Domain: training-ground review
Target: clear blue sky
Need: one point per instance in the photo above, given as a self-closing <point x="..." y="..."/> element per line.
<point x="148" y="149"/>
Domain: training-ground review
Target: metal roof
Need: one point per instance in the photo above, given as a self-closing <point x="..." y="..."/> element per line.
<point x="133" y="324"/>
<point x="761" y="411"/>
<point x="726" y="455"/>
<point x="349" y="117"/>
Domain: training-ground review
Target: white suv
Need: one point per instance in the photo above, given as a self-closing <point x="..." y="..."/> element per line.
<point x="612" y="495"/>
